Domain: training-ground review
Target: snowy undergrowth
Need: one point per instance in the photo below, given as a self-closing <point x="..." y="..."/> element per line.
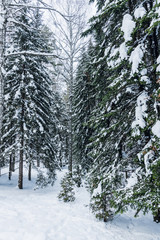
<point x="28" y="214"/>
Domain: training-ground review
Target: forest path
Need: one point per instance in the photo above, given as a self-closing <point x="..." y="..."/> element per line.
<point x="39" y="215"/>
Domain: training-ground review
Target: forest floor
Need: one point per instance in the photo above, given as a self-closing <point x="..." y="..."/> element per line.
<point x="30" y="214"/>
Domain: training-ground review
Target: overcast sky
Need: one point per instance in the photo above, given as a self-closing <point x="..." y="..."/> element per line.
<point x="89" y="8"/>
<point x="49" y="19"/>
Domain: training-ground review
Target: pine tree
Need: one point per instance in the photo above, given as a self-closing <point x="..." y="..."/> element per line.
<point x="125" y="77"/>
<point x="27" y="114"/>
<point x="143" y="195"/>
<point x="107" y="120"/>
<point x="67" y="193"/>
<point x="83" y="104"/>
<point x="59" y="129"/>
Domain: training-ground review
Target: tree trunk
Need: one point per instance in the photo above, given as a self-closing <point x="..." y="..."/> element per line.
<point x="13" y="162"/>
<point x="38" y="163"/>
<point x="29" y="172"/>
<point x="70" y="146"/>
<point x="20" y="181"/>
<point x="130" y="6"/>
<point x="157" y="217"/>
<point x="70" y="98"/>
<point x="10" y="167"/>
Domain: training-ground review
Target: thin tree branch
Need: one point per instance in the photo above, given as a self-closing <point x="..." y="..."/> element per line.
<point x="39" y="7"/>
<point x="32" y="54"/>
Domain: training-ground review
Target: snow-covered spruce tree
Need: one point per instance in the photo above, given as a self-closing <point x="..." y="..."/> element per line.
<point x="67" y="193"/>
<point x="144" y="193"/>
<point x="108" y="119"/>
<point x="2" y="26"/>
<point x="83" y="103"/>
<point x="59" y="128"/>
<point x="27" y="116"/>
<point x="128" y="67"/>
<point x="4" y="13"/>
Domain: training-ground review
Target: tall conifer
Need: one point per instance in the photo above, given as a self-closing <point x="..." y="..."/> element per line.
<point x="27" y="114"/>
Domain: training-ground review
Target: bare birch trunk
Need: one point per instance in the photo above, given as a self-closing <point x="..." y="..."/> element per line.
<point x="70" y="27"/>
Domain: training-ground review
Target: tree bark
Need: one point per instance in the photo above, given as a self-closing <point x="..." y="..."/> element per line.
<point x="71" y="96"/>
<point x="29" y="172"/>
<point x="20" y="180"/>
<point x="10" y="167"/>
<point x="38" y="163"/>
<point x="157" y="217"/>
<point x="13" y="162"/>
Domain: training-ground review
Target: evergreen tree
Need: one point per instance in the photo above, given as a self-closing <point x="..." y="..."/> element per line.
<point x="59" y="129"/>
<point x="125" y="76"/>
<point x="144" y="193"/>
<point x="107" y="120"/>
<point x="83" y="104"/>
<point x="67" y="193"/>
<point x="27" y="114"/>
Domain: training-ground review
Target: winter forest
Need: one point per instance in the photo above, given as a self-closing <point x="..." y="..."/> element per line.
<point x="80" y="99"/>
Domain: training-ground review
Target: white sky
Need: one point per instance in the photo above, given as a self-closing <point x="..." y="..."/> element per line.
<point x="89" y="8"/>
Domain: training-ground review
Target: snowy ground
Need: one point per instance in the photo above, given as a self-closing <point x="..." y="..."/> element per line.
<point x="38" y="215"/>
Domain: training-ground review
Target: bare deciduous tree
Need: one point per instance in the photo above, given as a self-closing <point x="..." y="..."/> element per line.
<point x="69" y="43"/>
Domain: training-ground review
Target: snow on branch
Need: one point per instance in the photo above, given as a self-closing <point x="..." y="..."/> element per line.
<point x="39" y="7"/>
<point x="11" y="20"/>
<point x="32" y="53"/>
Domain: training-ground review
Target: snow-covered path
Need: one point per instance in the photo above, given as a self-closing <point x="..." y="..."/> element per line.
<point x="38" y="215"/>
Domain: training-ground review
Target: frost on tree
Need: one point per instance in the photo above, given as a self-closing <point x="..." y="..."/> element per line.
<point x="27" y="114"/>
<point x="124" y="144"/>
